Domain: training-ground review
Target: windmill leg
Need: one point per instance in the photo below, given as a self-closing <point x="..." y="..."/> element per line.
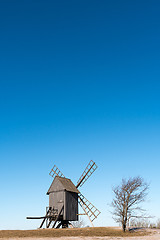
<point x="58" y="217"/>
<point x="44" y="219"/>
<point x="49" y="223"/>
<point x="59" y="224"/>
<point x="42" y="222"/>
<point x="55" y="223"/>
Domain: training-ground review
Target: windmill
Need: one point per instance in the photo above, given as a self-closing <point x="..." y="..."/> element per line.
<point x="64" y="197"/>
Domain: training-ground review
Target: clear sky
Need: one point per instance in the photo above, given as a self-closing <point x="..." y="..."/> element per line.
<point x="79" y="80"/>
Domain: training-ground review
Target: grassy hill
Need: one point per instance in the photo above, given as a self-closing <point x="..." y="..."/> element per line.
<point x="81" y="232"/>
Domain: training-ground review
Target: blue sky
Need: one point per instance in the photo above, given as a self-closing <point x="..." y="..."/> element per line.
<point x="79" y="80"/>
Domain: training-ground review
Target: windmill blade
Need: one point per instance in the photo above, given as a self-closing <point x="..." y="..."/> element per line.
<point x="56" y="172"/>
<point x="91" y="211"/>
<point x="91" y="167"/>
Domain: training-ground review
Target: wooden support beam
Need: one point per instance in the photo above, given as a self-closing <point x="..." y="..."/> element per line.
<point x="58" y="217"/>
<point x="59" y="224"/>
<point x="35" y="217"/>
<point x="49" y="223"/>
<point x="44" y="219"/>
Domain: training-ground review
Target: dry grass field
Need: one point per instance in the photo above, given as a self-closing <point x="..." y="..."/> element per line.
<point x="76" y="232"/>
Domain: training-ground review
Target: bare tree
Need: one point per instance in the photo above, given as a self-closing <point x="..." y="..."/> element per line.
<point x="127" y="199"/>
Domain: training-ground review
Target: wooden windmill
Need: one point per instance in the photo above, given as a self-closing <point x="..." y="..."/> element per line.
<point x="64" y="197"/>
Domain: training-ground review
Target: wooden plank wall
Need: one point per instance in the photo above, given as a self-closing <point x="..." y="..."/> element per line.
<point x="71" y="206"/>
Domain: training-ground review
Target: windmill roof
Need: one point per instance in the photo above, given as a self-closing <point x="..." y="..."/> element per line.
<point x="65" y="184"/>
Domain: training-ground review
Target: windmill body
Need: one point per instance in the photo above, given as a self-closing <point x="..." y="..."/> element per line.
<point x="63" y="193"/>
<point x="64" y="197"/>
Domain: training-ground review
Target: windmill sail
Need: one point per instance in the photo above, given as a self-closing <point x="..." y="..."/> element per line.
<point x="91" y="167"/>
<point x="56" y="172"/>
<point x="90" y="210"/>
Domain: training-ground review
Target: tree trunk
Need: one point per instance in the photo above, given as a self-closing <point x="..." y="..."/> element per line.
<point x="124" y="227"/>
